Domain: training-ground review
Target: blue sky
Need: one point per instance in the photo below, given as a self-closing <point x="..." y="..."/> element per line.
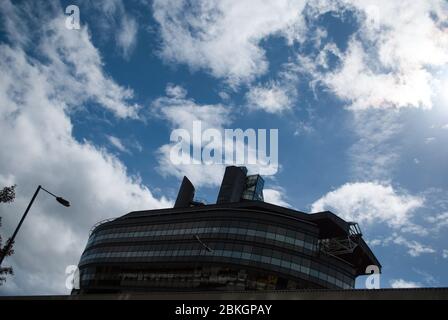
<point x="357" y="89"/>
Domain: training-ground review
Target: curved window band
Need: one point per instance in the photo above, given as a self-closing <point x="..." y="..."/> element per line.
<point x="210" y="230"/>
<point x="94" y="257"/>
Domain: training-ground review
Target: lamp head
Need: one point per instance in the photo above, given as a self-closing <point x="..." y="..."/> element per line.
<point x="62" y="201"/>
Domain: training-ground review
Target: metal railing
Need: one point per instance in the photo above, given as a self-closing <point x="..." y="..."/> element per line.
<point x="99" y="223"/>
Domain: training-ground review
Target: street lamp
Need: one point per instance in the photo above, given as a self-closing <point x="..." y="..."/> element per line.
<point x="8" y="246"/>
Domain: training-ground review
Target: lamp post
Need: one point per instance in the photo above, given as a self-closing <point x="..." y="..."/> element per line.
<point x="8" y="246"/>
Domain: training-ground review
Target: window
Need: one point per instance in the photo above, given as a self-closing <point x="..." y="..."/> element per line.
<point x="295" y="267"/>
<point x="266" y="259"/>
<point x="246" y="256"/>
<point x="260" y="234"/>
<point x="299" y="243"/>
<point x="289" y="240"/>
<point x="286" y="264"/>
<point x="323" y="276"/>
<point x="236" y="254"/>
<point x="270" y="235"/>
<point x="251" y="232"/>
<point x="227" y="253"/>
<point x="280" y="237"/>
<point x="304" y="270"/>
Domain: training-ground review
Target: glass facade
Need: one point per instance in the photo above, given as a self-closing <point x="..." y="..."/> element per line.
<point x="199" y="278"/>
<point x="300" y="268"/>
<point x="254" y="188"/>
<point x="296" y="240"/>
<point x="214" y="253"/>
<point x="239" y="243"/>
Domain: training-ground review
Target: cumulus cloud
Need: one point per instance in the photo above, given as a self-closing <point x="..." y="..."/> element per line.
<point x="181" y="112"/>
<point x="271" y="98"/>
<point x="37" y="95"/>
<point x="392" y="58"/>
<point x="400" y="284"/>
<point x="275" y="196"/>
<point x="390" y="61"/>
<point x="370" y="203"/>
<point x="73" y="65"/>
<point x="223" y="37"/>
<point x="370" y="89"/>
<point x="175" y="91"/>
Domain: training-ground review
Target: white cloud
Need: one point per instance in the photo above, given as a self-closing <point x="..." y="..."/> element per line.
<point x="415" y="248"/>
<point x="400" y="284"/>
<point x="114" y="21"/>
<point x="271" y="98"/>
<point x="36" y="99"/>
<point x="275" y="96"/>
<point x="117" y="143"/>
<point x="391" y="59"/>
<point x="75" y="67"/>
<point x="370" y="203"/>
<point x="224" y="95"/>
<point x="429" y="140"/>
<point x="181" y="112"/>
<point x="275" y="196"/>
<point x="390" y="63"/>
<point x="439" y="221"/>
<point x="417" y="229"/>
<point x="175" y="91"/>
<point x="223" y="37"/>
<point x="370" y="89"/>
<point x="445" y="253"/>
<point x="127" y="36"/>
<point x="303" y="128"/>
<point x="199" y="174"/>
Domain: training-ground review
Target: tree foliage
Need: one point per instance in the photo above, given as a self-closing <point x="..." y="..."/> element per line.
<point x="7" y="195"/>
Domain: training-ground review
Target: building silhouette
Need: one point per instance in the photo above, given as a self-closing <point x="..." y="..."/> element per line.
<point x="238" y="244"/>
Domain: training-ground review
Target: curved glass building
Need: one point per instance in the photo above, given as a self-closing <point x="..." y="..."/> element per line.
<point x="236" y="244"/>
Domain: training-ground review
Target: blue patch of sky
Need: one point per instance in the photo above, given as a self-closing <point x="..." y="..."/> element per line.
<point x="422" y="164"/>
<point x="317" y="160"/>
